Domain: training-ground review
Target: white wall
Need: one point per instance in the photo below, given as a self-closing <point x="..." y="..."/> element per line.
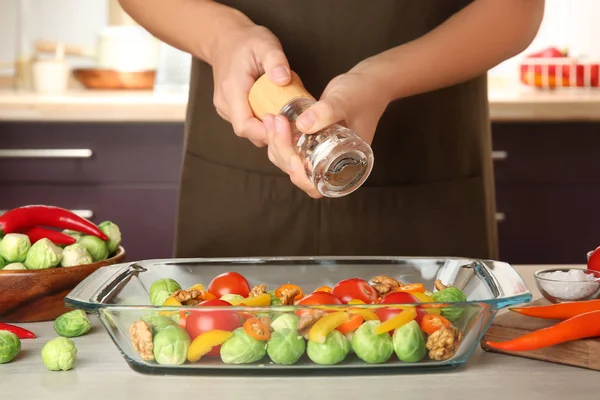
<point x="568" y="24"/>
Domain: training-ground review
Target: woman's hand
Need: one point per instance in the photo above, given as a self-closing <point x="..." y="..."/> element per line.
<point x="356" y="99"/>
<point x="240" y="58"/>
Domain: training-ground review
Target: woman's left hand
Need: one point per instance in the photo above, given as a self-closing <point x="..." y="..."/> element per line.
<point x="356" y="99"/>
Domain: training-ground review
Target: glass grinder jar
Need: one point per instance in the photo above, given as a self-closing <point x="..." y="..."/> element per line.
<point x="336" y="159"/>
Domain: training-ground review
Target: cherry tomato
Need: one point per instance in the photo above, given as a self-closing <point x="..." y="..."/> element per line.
<point x="354" y="288"/>
<point x="398" y="298"/>
<point x="316" y="298"/>
<point x="203" y="321"/>
<point x="432" y="322"/>
<point x="594" y="261"/>
<point x="229" y="283"/>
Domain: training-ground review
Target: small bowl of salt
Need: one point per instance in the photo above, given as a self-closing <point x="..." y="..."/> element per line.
<point x="560" y="285"/>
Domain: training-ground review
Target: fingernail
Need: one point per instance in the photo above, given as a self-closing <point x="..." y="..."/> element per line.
<point x="306" y="120"/>
<point x="279" y="124"/>
<point x="280" y="74"/>
<point x="268" y="121"/>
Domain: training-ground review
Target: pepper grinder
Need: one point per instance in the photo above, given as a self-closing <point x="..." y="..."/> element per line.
<point x="336" y="159"/>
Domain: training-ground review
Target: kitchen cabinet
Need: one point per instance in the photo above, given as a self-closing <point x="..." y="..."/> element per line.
<point x="124" y="172"/>
<point x="547" y="182"/>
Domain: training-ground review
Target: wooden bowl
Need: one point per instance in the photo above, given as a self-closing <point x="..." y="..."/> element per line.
<point x="38" y="295"/>
<point x="108" y="79"/>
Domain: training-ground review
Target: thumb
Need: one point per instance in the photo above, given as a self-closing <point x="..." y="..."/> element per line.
<point x="323" y="113"/>
<point x="274" y="63"/>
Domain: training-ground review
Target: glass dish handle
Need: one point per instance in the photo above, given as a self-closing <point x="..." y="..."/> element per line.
<point x="100" y="286"/>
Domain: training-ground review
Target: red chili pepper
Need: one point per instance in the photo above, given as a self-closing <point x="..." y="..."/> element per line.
<point x="580" y="327"/>
<point x="20" y="332"/>
<point x="55" y="237"/>
<point x="22" y="218"/>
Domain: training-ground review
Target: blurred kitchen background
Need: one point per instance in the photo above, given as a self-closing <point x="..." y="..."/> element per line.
<point x="92" y="110"/>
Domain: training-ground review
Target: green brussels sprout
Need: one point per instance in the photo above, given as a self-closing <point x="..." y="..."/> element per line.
<point x="231" y="296"/>
<point x="333" y="351"/>
<point x="158" y="322"/>
<point x="409" y="342"/>
<point x="171" y="345"/>
<point x="72" y="324"/>
<point x="10" y="346"/>
<point x="275" y="301"/>
<point x="74" y="234"/>
<point x="242" y="349"/>
<point x="370" y="347"/>
<point x="113" y="232"/>
<point x="285" y="321"/>
<point x="349" y="336"/>
<point x="161" y="289"/>
<point x="13" y="266"/>
<point x="285" y="346"/>
<point x="449" y="295"/>
<point x="75" y="254"/>
<point x="97" y="247"/>
<point x="14" y="247"/>
<point x="43" y="255"/>
<point x="2" y="263"/>
<point x="59" y="354"/>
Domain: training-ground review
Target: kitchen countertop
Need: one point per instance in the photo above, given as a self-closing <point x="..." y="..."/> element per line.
<point x="101" y="372"/>
<point x="508" y="102"/>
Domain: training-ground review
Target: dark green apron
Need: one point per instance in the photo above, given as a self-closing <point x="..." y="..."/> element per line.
<point x="431" y="190"/>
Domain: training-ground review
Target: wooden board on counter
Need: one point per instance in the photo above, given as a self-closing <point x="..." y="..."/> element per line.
<point x="584" y="353"/>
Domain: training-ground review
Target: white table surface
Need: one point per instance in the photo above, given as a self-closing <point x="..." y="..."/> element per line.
<point x="101" y="373"/>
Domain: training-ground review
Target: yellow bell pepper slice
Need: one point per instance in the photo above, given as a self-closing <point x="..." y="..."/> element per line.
<point x="260" y="300"/>
<point x="397" y="321"/>
<point x="368" y="315"/>
<point x="205" y="342"/>
<point x="423" y="298"/>
<point x="319" y="331"/>
<point x="199" y="287"/>
<point x="170" y="302"/>
<point x="356" y="301"/>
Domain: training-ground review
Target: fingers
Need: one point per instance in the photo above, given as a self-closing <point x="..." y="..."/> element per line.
<point x="323" y="113"/>
<point x="282" y="153"/>
<point x="274" y="62"/>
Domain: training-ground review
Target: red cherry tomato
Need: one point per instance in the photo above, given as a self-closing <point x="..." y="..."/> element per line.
<point x="229" y="283"/>
<point x="316" y="298"/>
<point x="594" y="261"/>
<point x="354" y="288"/>
<point x="206" y="320"/>
<point x="398" y="298"/>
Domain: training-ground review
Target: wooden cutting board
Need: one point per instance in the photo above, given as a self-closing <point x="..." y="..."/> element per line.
<point x="584" y="353"/>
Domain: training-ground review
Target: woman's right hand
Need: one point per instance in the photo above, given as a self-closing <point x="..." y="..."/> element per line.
<point x="239" y="59"/>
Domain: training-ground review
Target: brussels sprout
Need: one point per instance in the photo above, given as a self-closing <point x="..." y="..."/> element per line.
<point x="370" y="347"/>
<point x="231" y="296"/>
<point x="74" y="234"/>
<point x="113" y="232"/>
<point x="14" y="247"/>
<point x="2" y="263"/>
<point x="409" y="342"/>
<point x="72" y="324"/>
<point x="275" y="301"/>
<point x="14" y="266"/>
<point x="10" y="346"/>
<point x="158" y="322"/>
<point x="334" y="350"/>
<point x="97" y="247"/>
<point x="349" y="336"/>
<point x="285" y="346"/>
<point x="75" y="254"/>
<point x="171" y="345"/>
<point x="449" y="295"/>
<point x="285" y="321"/>
<point x="242" y="349"/>
<point x="43" y="255"/>
<point x="161" y="289"/>
<point x="59" y="354"/>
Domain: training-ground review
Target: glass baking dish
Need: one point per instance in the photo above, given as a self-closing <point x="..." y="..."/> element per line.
<point x="119" y="296"/>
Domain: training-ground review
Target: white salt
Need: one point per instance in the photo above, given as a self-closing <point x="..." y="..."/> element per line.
<point x="571" y="285"/>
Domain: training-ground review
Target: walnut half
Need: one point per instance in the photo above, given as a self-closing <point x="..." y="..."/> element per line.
<point x="385" y="284"/>
<point x="307" y="320"/>
<point x="141" y="338"/>
<point x="258" y="290"/>
<point x="443" y="343"/>
<point x="287" y="296"/>
<point x="439" y="285"/>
